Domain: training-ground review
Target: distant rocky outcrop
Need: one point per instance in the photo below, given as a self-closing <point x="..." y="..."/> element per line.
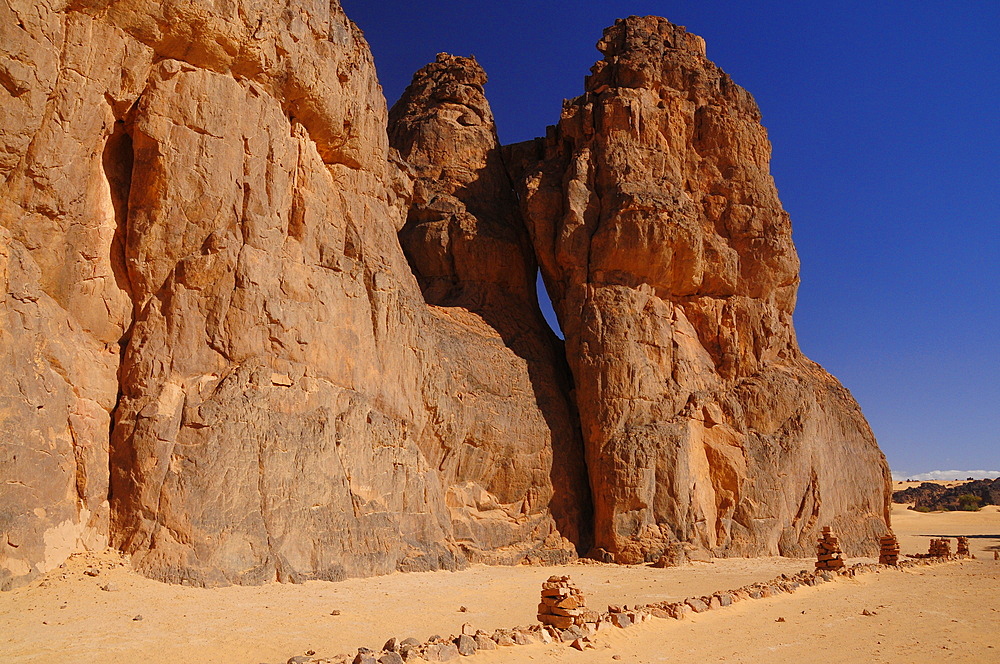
<point x="968" y="496"/>
<point x="255" y="328"/>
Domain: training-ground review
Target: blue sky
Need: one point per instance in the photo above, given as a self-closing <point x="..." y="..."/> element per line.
<point x="885" y="122"/>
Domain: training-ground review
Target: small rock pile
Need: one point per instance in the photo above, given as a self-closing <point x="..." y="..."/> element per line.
<point x="675" y="556"/>
<point x="940" y="548"/>
<point x="888" y="550"/>
<point x="963" y="547"/>
<point x="828" y="553"/>
<point x="562" y="603"/>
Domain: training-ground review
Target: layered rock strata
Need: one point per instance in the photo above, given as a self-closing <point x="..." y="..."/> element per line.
<point x="671" y="267"/>
<point x="247" y="341"/>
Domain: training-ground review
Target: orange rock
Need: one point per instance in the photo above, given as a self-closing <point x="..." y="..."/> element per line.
<point x="670" y="262"/>
<point x="265" y="344"/>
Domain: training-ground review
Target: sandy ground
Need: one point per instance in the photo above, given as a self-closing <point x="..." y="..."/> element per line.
<point x="930" y="614"/>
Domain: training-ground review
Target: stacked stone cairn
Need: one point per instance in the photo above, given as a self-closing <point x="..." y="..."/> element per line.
<point x="828" y="554"/>
<point x="888" y="550"/>
<point x="940" y="548"/>
<point x="963" y="547"/>
<point x="562" y="604"/>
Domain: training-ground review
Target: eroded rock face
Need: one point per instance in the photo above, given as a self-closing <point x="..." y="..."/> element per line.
<point x="470" y="251"/>
<point x="669" y="257"/>
<point x="246" y="340"/>
<point x="204" y="245"/>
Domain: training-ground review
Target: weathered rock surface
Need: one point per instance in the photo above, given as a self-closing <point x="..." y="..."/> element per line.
<point x="230" y="286"/>
<point x="246" y="341"/>
<point x="670" y="261"/>
<point x="470" y="251"/>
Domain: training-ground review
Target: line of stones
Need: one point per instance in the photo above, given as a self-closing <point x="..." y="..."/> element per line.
<point x="579" y="636"/>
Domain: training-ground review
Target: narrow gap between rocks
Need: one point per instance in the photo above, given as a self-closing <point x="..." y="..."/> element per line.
<point x="117" y="161"/>
<point x="545" y="304"/>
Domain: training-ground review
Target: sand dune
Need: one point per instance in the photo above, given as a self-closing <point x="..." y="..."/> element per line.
<point x="930" y="614"/>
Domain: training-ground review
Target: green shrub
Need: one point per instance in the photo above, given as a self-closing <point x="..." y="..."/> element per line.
<point x="969" y="502"/>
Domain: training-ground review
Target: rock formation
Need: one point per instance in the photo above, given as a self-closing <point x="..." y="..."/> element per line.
<point x="966" y="496"/>
<point x="671" y="267"/>
<point x="246" y="340"/>
<point x="469" y="249"/>
<point x="229" y="288"/>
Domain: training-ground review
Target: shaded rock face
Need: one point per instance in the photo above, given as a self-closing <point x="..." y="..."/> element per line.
<point x="470" y="251"/>
<point x="247" y="341"/>
<point x="670" y="261"/>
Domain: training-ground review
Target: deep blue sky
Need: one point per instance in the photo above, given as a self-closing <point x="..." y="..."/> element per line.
<point x="885" y="121"/>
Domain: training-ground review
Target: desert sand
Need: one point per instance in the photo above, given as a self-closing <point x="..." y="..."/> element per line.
<point x="925" y="614"/>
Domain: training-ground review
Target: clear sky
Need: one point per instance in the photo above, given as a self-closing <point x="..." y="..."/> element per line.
<point x="885" y="122"/>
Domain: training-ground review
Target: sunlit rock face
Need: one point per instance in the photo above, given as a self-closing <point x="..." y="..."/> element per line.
<point x="670" y="261"/>
<point x="255" y="330"/>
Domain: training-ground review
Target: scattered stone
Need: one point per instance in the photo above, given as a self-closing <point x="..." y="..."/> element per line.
<point x="466" y="645"/>
<point x="463" y="609"/>
<point x="696" y="605"/>
<point x="621" y="620"/>
<point x="780" y="620"/>
<point x="137" y="618"/>
<point x="483" y="642"/>
<point x="390" y="657"/>
<point x="866" y="612"/>
<point x="447" y="651"/>
<point x="392" y="645"/>
<point x="110" y="587"/>
<point x="335" y="612"/>
<point x="502" y="638"/>
<point x="364" y="656"/>
<point x="92" y="571"/>
<point x="522" y="638"/>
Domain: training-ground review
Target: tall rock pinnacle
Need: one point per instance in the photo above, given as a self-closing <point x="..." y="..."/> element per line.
<point x="670" y="261"/>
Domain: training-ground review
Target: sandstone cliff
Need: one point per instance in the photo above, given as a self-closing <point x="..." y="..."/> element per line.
<point x="229" y="289"/>
<point x="671" y="265"/>
<point x="246" y="340"/>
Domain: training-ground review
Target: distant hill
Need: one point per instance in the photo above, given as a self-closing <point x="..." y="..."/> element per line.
<point x="969" y="496"/>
